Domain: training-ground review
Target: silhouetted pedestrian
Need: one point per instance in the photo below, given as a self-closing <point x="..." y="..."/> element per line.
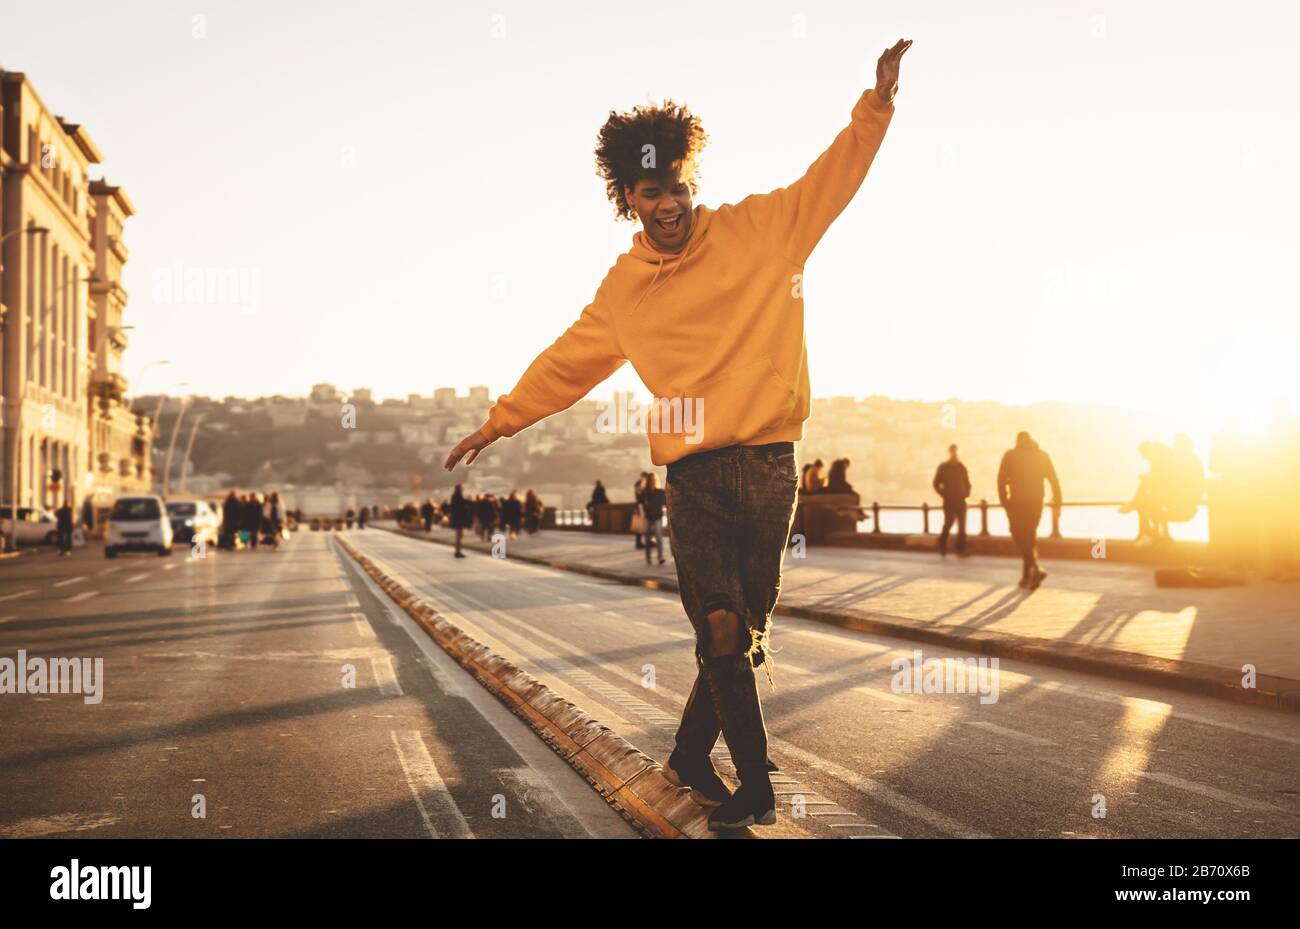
<point x="462" y="517"/>
<point x="1020" y="490"/>
<point x="952" y="483"/>
<point x="63" y="526"/>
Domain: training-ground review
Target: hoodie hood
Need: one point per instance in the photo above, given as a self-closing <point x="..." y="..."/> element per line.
<point x="643" y="249"/>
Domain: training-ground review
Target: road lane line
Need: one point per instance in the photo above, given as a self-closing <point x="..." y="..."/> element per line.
<point x="106" y="571"/>
<point x="428" y="788"/>
<point x="1010" y="733"/>
<point x="137" y="577"/>
<point x="169" y="566"/>
<point x="21" y="593"/>
<point x="382" y="666"/>
<point x="555" y="664"/>
<point x="364" y="628"/>
<point x="70" y="581"/>
<point x="874" y="790"/>
<point x="574" y="796"/>
<point x="1212" y="793"/>
<point x="84" y="595"/>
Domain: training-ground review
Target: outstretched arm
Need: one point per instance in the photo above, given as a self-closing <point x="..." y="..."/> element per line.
<point x="795" y="218"/>
<point x="586" y="354"/>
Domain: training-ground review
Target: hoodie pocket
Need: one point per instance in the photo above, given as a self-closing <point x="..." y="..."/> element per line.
<point x="742" y="402"/>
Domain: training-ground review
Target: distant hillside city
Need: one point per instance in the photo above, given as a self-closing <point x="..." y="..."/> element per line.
<point x="332" y="450"/>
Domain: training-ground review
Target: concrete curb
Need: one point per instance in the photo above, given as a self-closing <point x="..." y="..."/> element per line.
<point x="1188" y="676"/>
<point x="630" y="781"/>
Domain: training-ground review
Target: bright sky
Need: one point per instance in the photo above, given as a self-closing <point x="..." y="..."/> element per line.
<point x="1076" y="201"/>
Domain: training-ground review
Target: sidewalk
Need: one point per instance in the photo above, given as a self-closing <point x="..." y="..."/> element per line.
<point x="1097" y="617"/>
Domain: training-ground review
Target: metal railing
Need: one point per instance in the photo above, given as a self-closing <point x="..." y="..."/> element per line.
<point x="983" y="506"/>
<point x="572" y="518"/>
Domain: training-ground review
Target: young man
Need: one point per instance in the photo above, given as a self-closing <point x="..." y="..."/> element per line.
<point x="707" y="305"/>
<point x="952" y="483"/>
<point x="1020" y="490"/>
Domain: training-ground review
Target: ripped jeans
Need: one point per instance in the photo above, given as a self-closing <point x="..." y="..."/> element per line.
<point x="729" y="516"/>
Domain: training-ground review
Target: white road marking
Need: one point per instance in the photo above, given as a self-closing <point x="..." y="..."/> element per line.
<point x="57" y="824"/>
<point x="363" y="626"/>
<point x="1212" y="793"/>
<point x="84" y="595"/>
<point x="105" y="571"/>
<point x="169" y="566"/>
<point x="137" y="577"/>
<point x="382" y="666"/>
<point x="352" y="601"/>
<point x="428" y="788"/>
<point x="70" y="581"/>
<point x="1010" y="733"/>
<point x="21" y="593"/>
<point x="572" y="795"/>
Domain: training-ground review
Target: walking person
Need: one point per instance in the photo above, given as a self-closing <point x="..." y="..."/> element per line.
<point x="426" y="514"/>
<point x="252" y="519"/>
<point x="598" y="498"/>
<point x="272" y="517"/>
<point x="462" y="516"/>
<point x="512" y="514"/>
<point x="638" y="495"/>
<point x="702" y="305"/>
<point x="1020" y="490"/>
<point x="533" y="511"/>
<point x="952" y="484"/>
<point x="232" y="518"/>
<point x="654" y="501"/>
<point x="63" y="527"/>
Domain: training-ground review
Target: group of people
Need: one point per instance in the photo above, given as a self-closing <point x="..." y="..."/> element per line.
<point x="648" y="517"/>
<point x="252" y="519"/>
<point x="483" y="514"/>
<point x="813" y="480"/>
<point x="1170" y="491"/>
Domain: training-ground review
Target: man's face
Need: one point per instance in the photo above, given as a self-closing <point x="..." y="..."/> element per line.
<point x="664" y="206"/>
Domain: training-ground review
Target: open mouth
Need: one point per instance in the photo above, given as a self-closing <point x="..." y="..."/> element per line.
<point x="670" y="225"/>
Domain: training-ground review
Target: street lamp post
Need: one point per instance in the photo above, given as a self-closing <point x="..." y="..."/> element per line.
<point x="171" y="447"/>
<point x="189" y="446"/>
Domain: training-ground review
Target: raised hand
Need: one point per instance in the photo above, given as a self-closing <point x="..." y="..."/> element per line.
<point x="887" y="70"/>
<point x="473" y="444"/>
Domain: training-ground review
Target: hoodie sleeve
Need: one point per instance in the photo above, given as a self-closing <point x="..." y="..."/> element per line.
<point x="586" y="354"/>
<point x="794" y="219"/>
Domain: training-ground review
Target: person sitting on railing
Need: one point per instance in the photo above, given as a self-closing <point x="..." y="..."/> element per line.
<point x="838" y="482"/>
<point x="813" y="481"/>
<point x="1170" y="491"/>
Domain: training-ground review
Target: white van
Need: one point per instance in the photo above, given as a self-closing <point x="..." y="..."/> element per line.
<point x="138" y="524"/>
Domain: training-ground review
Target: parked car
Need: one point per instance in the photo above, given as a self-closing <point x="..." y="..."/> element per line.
<point x="193" y="519"/>
<point x="138" y="524"/>
<point x="35" y="526"/>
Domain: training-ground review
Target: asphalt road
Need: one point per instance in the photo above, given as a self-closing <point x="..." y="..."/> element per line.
<point x="1057" y="753"/>
<point x="225" y="692"/>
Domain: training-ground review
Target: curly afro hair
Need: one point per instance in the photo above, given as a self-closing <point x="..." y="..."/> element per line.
<point x="676" y="135"/>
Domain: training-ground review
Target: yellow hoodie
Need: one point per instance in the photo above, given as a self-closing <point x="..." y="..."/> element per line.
<point x="715" y="331"/>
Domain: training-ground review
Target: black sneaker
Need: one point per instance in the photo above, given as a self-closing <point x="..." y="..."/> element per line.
<point x="748" y="806"/>
<point x="707" y="788"/>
